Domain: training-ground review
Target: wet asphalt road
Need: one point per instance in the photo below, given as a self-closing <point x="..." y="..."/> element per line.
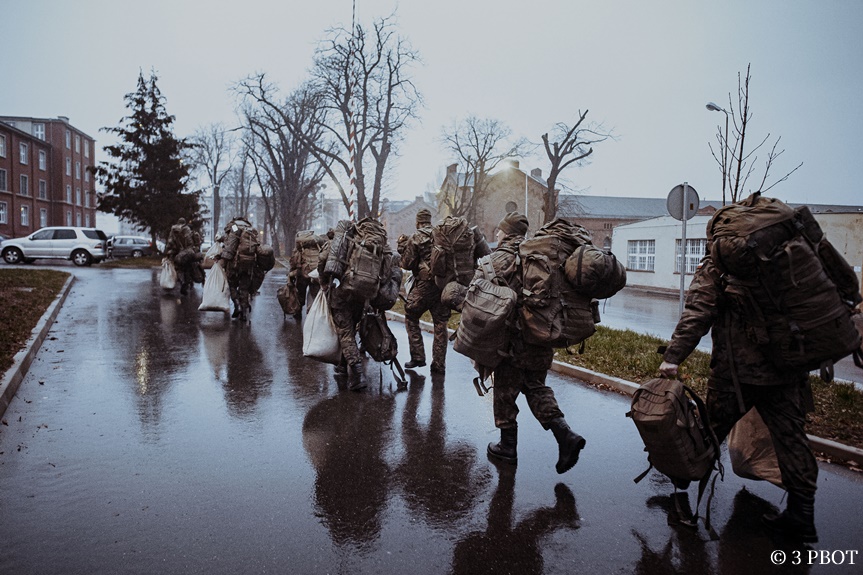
<point x="149" y="437"/>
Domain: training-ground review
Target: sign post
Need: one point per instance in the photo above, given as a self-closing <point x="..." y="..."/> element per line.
<point x="682" y="204"/>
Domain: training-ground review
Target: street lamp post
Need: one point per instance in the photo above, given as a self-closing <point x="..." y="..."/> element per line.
<point x="714" y="108"/>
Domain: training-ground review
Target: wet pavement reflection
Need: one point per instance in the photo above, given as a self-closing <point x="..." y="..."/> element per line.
<point x="149" y="437"/>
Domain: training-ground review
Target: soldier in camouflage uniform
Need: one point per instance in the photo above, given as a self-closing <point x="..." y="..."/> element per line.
<point x="525" y="371"/>
<point x="295" y="275"/>
<point x="425" y="296"/>
<point x="780" y="396"/>
<point x="346" y="313"/>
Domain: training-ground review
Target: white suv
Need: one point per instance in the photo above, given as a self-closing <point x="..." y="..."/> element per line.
<point x="81" y="245"/>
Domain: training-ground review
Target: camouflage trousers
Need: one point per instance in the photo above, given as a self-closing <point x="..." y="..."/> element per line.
<point x="425" y="296"/>
<point x="781" y="408"/>
<point x="346" y="316"/>
<point x="513" y="377"/>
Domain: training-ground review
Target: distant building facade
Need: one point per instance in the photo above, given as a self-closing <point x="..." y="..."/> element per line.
<point x="44" y="176"/>
<point x="400" y="217"/>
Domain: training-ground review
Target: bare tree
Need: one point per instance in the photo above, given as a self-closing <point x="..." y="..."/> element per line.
<point x="280" y="136"/>
<point x="364" y="79"/>
<point x="571" y="145"/>
<point x="736" y="162"/>
<point x="480" y="145"/>
<point x="212" y="153"/>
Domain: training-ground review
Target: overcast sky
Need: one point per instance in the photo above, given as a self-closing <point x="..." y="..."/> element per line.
<point x="645" y="69"/>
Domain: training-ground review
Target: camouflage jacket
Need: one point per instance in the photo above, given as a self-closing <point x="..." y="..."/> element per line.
<point x="416" y="253"/>
<point x="708" y="309"/>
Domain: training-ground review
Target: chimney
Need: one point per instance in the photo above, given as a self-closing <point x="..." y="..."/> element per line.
<point x="514" y="164"/>
<point x="63" y="119"/>
<point x="536" y="173"/>
<point x="451" y="169"/>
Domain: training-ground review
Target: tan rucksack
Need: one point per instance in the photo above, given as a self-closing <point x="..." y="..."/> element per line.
<point x="363" y="275"/>
<point x="595" y="272"/>
<point x="553" y="313"/>
<point x="794" y="289"/>
<point x="452" y="256"/>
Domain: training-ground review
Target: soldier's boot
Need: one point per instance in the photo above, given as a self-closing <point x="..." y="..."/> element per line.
<point x="356" y="381"/>
<point x="798" y="519"/>
<point x="505" y="450"/>
<point x="569" y="444"/>
<point x="415" y="363"/>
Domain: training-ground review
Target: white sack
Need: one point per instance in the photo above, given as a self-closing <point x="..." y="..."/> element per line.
<point x="168" y="278"/>
<point x="217" y="294"/>
<point x="320" y="339"/>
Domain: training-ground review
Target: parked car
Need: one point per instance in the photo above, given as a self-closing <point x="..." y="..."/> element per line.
<point x="81" y="245"/>
<point x="129" y="246"/>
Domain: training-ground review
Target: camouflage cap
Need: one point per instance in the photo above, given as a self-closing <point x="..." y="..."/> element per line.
<point x="424" y="216"/>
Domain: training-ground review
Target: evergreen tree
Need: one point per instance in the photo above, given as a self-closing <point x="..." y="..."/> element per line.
<point x="145" y="177"/>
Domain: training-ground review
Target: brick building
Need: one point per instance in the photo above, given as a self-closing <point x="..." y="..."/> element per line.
<point x="400" y="217"/>
<point x="44" y="179"/>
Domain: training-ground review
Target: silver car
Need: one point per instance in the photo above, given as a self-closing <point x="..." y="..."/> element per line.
<point x="81" y="245"/>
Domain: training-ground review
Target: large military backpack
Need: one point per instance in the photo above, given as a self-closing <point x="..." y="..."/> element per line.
<point x="340" y="250"/>
<point x="308" y="249"/>
<point x="391" y="282"/>
<point x="794" y="290"/>
<point x="673" y="424"/>
<point x="595" y="272"/>
<point x="363" y="275"/>
<point x="553" y="313"/>
<point x="452" y="256"/>
<point x="247" y="248"/>
<point x="487" y="318"/>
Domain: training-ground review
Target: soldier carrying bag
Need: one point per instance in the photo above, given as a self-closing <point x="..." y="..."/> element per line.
<point x="363" y="275"/>
<point x="452" y="256"/>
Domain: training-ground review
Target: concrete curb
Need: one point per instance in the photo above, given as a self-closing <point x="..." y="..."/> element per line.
<point x="825" y="446"/>
<point x="23" y="359"/>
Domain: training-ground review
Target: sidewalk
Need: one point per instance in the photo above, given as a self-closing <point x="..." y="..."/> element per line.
<point x="825" y="446"/>
<point x="22" y="360"/>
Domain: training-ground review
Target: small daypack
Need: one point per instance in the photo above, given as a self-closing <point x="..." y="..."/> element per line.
<point x="340" y="250"/>
<point x="487" y="318"/>
<point x="595" y="272"/>
<point x="795" y="291"/>
<point x="452" y="255"/>
<point x="391" y="281"/>
<point x="673" y="423"/>
<point x="289" y="298"/>
<point x="307" y="247"/>
<point x="376" y="338"/>
<point x="362" y="277"/>
<point x="552" y="312"/>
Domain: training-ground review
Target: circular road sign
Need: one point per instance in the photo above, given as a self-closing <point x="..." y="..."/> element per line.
<point x="675" y="202"/>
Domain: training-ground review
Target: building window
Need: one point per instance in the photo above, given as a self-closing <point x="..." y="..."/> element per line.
<point x="77" y="144"/>
<point x="22" y="153"/>
<point x="43" y="160"/>
<point x="86" y="148"/>
<point x="86" y="174"/>
<point x="24" y="190"/>
<point x="25" y="216"/>
<point x="77" y="170"/>
<point x="78" y="196"/>
<point x="4" y="213"/>
<point x="68" y="143"/>
<point x="78" y="219"/>
<point x="39" y="131"/>
<point x="86" y="220"/>
<point x="607" y="226"/>
<point x="640" y="255"/>
<point x="2" y="146"/>
<point x="43" y="190"/>
<point x="695" y="250"/>
<point x="68" y="194"/>
<point x="86" y="199"/>
<point x="68" y="166"/>
<point x="3" y="187"/>
<point x="43" y="217"/>
<point x="68" y="217"/>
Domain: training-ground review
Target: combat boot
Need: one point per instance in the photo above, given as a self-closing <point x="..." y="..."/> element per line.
<point x="415" y="363"/>
<point x="798" y="519"/>
<point x="569" y="444"/>
<point x="506" y="449"/>
<point x="356" y="381"/>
